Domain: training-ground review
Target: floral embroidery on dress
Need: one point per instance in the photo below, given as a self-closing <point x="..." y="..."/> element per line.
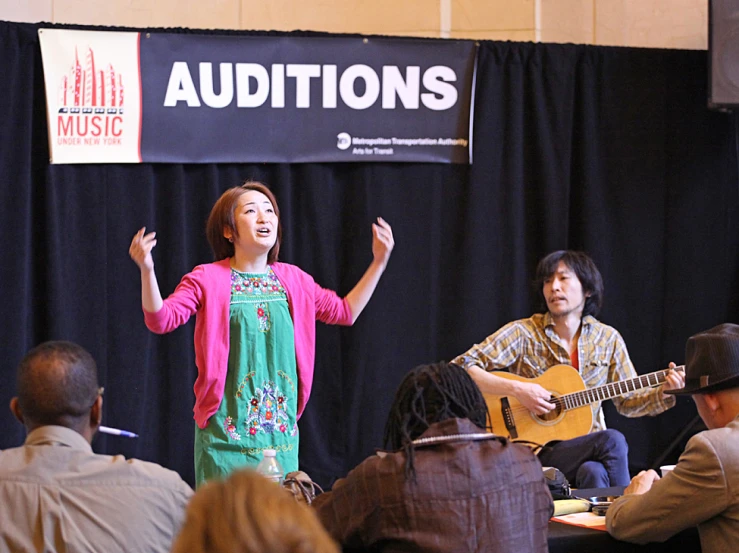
<point x="259" y="450"/>
<point x="230" y="427"/>
<point x="263" y="316"/>
<point x="240" y="390"/>
<point x="256" y="286"/>
<point x="267" y="411"/>
<point x="283" y="374"/>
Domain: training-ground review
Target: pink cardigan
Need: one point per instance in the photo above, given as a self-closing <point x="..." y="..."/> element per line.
<point x="207" y="291"/>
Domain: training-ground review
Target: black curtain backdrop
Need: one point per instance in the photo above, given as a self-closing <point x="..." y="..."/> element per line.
<point x="609" y="150"/>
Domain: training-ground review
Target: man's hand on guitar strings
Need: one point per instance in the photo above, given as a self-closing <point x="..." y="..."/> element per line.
<point x="534" y="397"/>
<point x="674" y="380"/>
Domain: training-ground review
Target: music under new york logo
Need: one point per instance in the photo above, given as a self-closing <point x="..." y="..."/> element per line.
<point x="91" y="100"/>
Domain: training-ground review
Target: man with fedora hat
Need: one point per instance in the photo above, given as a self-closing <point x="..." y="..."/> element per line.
<point x="703" y="489"/>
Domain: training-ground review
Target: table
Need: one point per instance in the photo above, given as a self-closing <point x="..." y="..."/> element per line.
<point x="565" y="538"/>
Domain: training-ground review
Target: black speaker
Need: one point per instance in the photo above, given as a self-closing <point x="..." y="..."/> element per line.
<point x="723" y="54"/>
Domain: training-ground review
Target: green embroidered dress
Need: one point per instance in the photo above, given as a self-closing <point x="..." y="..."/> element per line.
<point x="261" y="392"/>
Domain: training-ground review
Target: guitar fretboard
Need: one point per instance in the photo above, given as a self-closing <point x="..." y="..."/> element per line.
<point x="614" y="389"/>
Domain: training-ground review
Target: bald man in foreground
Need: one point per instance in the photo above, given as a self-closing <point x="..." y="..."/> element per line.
<point x="56" y="494"/>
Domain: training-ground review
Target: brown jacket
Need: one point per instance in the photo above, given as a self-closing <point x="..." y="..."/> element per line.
<point x="468" y="496"/>
<point x="702" y="491"/>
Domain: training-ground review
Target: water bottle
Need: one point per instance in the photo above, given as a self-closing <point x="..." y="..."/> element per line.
<point x="270" y="467"/>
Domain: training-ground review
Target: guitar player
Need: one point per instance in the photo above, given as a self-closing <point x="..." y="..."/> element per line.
<point x="568" y="333"/>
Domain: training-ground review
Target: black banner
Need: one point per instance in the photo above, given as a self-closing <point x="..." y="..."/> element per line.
<point x="269" y="99"/>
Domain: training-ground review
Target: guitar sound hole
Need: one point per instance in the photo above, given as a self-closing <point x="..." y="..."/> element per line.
<point x="552" y="415"/>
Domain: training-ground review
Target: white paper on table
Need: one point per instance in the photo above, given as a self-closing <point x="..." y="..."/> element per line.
<point x="588" y="520"/>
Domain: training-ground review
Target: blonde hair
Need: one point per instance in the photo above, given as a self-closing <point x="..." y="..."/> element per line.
<point x="247" y="513"/>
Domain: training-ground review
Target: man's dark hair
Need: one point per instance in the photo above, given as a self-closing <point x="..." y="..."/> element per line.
<point x="429" y="394"/>
<point x="585" y="270"/>
<point x="57" y="384"/>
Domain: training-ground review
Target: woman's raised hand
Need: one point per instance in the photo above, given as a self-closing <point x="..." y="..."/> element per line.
<point x="382" y="241"/>
<point x="140" y="250"/>
<point x="382" y="246"/>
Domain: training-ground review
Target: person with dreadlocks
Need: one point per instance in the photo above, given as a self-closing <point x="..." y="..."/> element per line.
<point x="445" y="484"/>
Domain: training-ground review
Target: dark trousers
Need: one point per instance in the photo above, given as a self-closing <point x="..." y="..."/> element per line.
<point x="597" y="460"/>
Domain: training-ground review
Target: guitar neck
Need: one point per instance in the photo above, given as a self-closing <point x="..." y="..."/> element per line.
<point x="614" y="389"/>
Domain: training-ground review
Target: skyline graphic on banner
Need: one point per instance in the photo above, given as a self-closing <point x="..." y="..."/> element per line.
<point x="89" y="89"/>
<point x="93" y="96"/>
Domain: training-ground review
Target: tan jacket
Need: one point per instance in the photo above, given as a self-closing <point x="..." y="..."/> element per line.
<point x="56" y="495"/>
<point x="702" y="491"/>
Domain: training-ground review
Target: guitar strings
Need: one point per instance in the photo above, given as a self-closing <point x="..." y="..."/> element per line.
<point x="589" y="396"/>
<point x="557" y="401"/>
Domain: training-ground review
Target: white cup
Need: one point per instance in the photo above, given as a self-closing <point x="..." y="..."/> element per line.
<point x="666" y="469"/>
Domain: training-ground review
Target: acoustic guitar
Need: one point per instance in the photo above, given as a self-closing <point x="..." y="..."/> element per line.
<point x="571" y="416"/>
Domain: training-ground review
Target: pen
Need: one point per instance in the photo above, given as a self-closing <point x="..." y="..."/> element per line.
<point x="117" y="432"/>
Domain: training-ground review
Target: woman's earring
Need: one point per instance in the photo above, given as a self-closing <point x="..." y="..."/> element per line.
<point x="231" y="240"/>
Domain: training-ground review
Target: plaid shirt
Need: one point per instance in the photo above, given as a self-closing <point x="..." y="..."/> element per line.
<point x="470" y="496"/>
<point x="528" y="347"/>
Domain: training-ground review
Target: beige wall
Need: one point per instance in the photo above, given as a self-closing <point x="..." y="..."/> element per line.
<point x="651" y="23"/>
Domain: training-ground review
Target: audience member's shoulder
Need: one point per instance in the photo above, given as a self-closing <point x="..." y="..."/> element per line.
<point x="374" y="462"/>
<point x="718" y="439"/>
<point x="147" y="473"/>
<point x="373" y="467"/>
<point x="526" y="456"/>
<point x="520" y="452"/>
<point x="11" y="451"/>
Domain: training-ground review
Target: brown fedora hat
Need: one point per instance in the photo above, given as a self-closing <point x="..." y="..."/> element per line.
<point x="711" y="361"/>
